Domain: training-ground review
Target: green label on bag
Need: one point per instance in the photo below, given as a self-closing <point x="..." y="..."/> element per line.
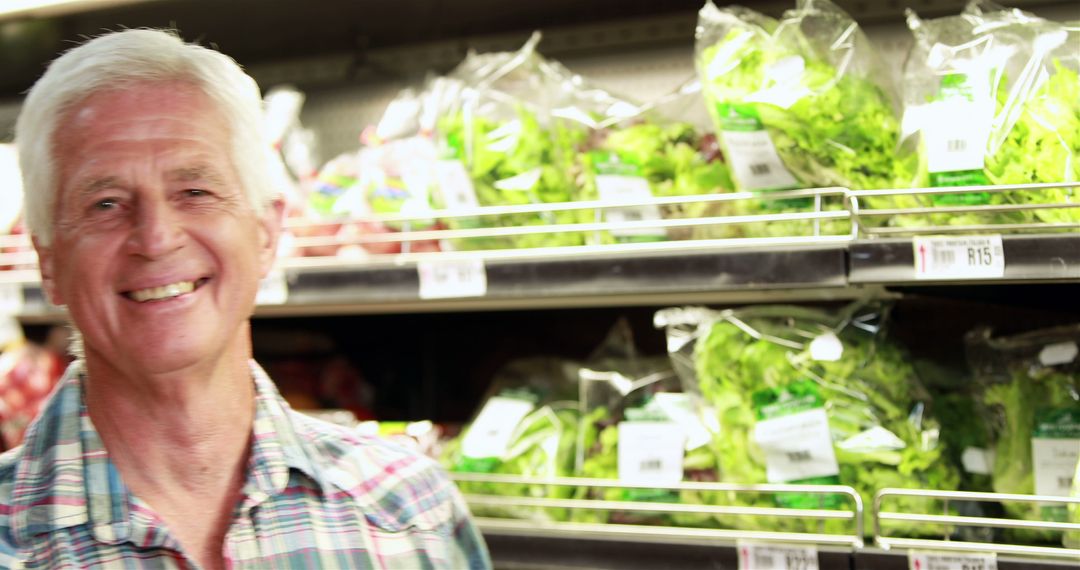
<point x="739" y="117"/>
<point x="793" y="432"/>
<point x="958" y="123"/>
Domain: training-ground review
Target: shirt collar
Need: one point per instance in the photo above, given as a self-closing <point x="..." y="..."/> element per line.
<point x="65" y="477"/>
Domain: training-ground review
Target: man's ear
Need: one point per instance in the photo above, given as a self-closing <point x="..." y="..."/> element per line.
<point x="270" y="223"/>
<point x="47" y="264"/>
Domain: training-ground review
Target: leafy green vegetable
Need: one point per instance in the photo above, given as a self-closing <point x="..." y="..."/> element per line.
<point x="1020" y="390"/>
<point x="1026" y="68"/>
<point x="831" y="123"/>
<point x="871" y="387"/>
<point x="542" y="447"/>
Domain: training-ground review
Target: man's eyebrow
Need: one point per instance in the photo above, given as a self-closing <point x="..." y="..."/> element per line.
<point x="94" y="185"/>
<point x="195" y="174"/>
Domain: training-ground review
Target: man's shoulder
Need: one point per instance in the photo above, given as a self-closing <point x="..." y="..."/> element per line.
<point x="399" y="486"/>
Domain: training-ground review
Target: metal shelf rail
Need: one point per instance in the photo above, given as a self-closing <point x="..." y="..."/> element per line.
<point x="729" y="495"/>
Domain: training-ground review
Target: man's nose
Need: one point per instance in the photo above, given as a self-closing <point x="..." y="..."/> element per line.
<point x="156" y="230"/>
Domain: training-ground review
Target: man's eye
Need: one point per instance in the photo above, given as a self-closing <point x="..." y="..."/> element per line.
<point x="196" y="193"/>
<point x="106" y="204"/>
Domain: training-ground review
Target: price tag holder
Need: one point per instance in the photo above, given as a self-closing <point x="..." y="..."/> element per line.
<point x="762" y="556"/>
<point x="918" y="560"/>
<point x="273" y="289"/>
<point x="448" y="279"/>
<point x="961" y="257"/>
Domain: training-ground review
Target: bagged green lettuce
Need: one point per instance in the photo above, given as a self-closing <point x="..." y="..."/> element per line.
<point x="637" y="426"/>
<point x="527" y="427"/>
<point x="992" y="96"/>
<point x="802" y="101"/>
<point x="497" y="130"/>
<point x="1030" y="391"/>
<point x="811" y="397"/>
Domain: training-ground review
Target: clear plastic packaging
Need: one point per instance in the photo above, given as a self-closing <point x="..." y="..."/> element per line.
<point x="811" y="397"/>
<point x="802" y="101"/>
<point x="1030" y="392"/>
<point x="992" y="96"/>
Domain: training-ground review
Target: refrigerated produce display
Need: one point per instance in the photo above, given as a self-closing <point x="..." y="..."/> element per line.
<point x="789" y="285"/>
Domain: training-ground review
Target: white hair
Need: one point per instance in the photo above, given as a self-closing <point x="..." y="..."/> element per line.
<point x="119" y="60"/>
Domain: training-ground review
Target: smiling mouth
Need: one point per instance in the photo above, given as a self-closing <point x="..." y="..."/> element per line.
<point x="164" y="292"/>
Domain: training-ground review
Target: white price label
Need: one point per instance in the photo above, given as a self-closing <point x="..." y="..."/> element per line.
<point x="273" y="289"/>
<point x="458" y="192"/>
<point x="760" y="556"/>
<point x="651" y="453"/>
<point x="1058" y="353"/>
<point x="956" y="133"/>
<point x="797" y="446"/>
<point x="618" y="188"/>
<point x="754" y="161"/>
<point x="11" y="299"/>
<point x="490" y="434"/>
<point x="446" y="279"/>
<point x="951" y="561"/>
<point x="1055" y="464"/>
<point x="975" y="257"/>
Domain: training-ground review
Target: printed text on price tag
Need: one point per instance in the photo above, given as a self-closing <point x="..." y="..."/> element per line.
<point x="760" y="556"/>
<point x="447" y="279"/>
<point x="967" y="257"/>
<point x="951" y="561"/>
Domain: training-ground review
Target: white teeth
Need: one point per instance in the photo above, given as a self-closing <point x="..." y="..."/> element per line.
<point x="163" y="292"/>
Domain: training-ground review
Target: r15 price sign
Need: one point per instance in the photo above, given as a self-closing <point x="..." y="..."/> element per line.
<point x="762" y="556"/>
<point x="967" y="257"/>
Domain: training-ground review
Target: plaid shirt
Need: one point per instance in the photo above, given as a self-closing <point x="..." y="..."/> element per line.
<point x="316" y="496"/>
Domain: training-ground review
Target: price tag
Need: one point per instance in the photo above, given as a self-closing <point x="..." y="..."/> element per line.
<point x="273" y="289"/>
<point x="490" y="434"/>
<point x="759" y="556"/>
<point x="11" y="299"/>
<point x="619" y="188"/>
<point x="797" y="446"/>
<point x="458" y="192"/>
<point x="750" y="151"/>
<point x="951" y="561"/>
<point x="651" y="453"/>
<point x="447" y="279"/>
<point x="973" y="257"/>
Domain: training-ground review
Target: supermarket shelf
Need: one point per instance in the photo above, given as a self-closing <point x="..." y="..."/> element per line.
<point x="1028" y="259"/>
<point x="531" y="548"/>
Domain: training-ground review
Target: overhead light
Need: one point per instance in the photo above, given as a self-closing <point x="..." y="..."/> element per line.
<point x="40" y="8"/>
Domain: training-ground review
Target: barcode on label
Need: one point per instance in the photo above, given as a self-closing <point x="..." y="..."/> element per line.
<point x="799" y="456"/>
<point x="956" y="145"/>
<point x="1065" y="482"/>
<point x="652" y="465"/>
<point x="760" y="169"/>
<point x="944" y="256"/>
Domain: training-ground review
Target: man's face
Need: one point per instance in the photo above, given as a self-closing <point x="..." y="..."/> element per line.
<point x="156" y="250"/>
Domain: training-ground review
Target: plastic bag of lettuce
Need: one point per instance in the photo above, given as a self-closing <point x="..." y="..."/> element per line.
<point x="802" y="101"/>
<point x="992" y="96"/>
<point x="637" y="426"/>
<point x="662" y="148"/>
<point x="496" y="131"/>
<point x="809" y="396"/>
<point x="1030" y="391"/>
<point x="527" y="427"/>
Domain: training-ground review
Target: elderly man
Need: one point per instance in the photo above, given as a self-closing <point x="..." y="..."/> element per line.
<point x="164" y="445"/>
